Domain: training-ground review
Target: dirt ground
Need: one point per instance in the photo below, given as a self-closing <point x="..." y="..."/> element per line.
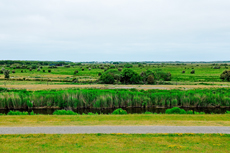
<point x="102" y="86"/>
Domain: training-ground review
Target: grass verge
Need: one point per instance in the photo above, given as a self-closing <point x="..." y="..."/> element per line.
<point x="115" y="143"/>
<point x="130" y="119"/>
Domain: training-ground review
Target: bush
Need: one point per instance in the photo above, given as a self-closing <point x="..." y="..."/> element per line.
<point x="216" y="67"/>
<point x="119" y="111"/>
<point x="75" y="72"/>
<point x="225" y="75"/>
<point x="13" y="71"/>
<point x="64" y="112"/>
<point x="175" y="110"/>
<point x="34" y="66"/>
<point x="32" y="113"/>
<point x="107" y="78"/>
<point x="227" y="112"/>
<point x="148" y="112"/>
<point x="190" y="112"/>
<point x="120" y="69"/>
<point x="128" y="65"/>
<point x="44" y="70"/>
<point x="150" y="79"/>
<point x="49" y="71"/>
<point x="183" y="71"/>
<point x="163" y="75"/>
<point x="7" y="74"/>
<point x="17" y="113"/>
<point x="74" y="80"/>
<point x="192" y="72"/>
<point x="112" y="67"/>
<point x="129" y="76"/>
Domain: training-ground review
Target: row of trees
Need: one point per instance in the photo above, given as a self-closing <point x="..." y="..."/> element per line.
<point x="128" y="76"/>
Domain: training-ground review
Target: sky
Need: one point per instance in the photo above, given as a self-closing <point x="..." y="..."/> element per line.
<point x="115" y="30"/>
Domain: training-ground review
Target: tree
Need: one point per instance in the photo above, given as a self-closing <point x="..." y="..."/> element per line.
<point x="150" y="79"/>
<point x="129" y="76"/>
<point x="7" y="74"/>
<point x="225" y="76"/>
<point x="107" y="78"/>
<point x="145" y="75"/>
<point x="34" y="66"/>
<point x="163" y="75"/>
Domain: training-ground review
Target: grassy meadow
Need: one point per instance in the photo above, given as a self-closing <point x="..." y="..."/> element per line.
<point x="203" y="72"/>
<point x="130" y="119"/>
<point x="115" y="143"/>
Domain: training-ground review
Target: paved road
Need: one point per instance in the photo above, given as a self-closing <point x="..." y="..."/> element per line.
<point x="114" y="129"/>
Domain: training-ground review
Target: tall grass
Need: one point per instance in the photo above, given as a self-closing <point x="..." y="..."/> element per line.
<point x="114" y="98"/>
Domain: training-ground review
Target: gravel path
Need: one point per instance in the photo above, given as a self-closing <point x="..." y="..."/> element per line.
<point x="114" y="129"/>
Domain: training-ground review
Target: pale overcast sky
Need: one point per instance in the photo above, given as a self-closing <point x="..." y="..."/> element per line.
<point x="115" y="30"/>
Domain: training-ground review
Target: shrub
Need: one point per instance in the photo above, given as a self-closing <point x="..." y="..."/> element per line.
<point x="82" y="69"/>
<point x="107" y="78"/>
<point x="112" y="67"/>
<point x="38" y="69"/>
<point x="216" y="67"/>
<point x="120" y="69"/>
<point x="74" y="80"/>
<point x="163" y="75"/>
<point x="13" y="71"/>
<point x="129" y="76"/>
<point x="49" y="71"/>
<point x="32" y="113"/>
<point x="150" y="79"/>
<point x="175" y="110"/>
<point x="190" y="112"/>
<point x="64" y="112"/>
<point x="44" y="70"/>
<point x="183" y="71"/>
<point x="7" y="74"/>
<point x="34" y="66"/>
<point x="227" y="112"/>
<point x="225" y="75"/>
<point x="21" y="71"/>
<point x="17" y="113"/>
<point x="192" y="72"/>
<point x="148" y="112"/>
<point x="76" y="71"/>
<point x="99" y="74"/>
<point x="119" y="111"/>
<point x="89" y="69"/>
<point x="128" y="65"/>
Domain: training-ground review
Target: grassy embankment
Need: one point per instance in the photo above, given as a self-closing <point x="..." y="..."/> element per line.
<point x="130" y="119"/>
<point x="115" y="143"/>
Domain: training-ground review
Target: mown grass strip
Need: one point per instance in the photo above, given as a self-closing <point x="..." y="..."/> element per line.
<point x="130" y="119"/>
<point x="115" y="143"/>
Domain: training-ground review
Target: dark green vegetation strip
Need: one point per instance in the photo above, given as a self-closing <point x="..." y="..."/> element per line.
<point x="109" y="98"/>
<point x="115" y="143"/>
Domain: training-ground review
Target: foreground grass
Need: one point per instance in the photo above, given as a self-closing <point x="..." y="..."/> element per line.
<point x="115" y="143"/>
<point x="131" y="119"/>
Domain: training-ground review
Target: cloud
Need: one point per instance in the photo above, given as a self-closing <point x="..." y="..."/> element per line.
<point x="103" y="30"/>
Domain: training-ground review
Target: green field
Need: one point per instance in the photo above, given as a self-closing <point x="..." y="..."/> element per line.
<point x="115" y="143"/>
<point x="203" y="72"/>
<point x="130" y="119"/>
